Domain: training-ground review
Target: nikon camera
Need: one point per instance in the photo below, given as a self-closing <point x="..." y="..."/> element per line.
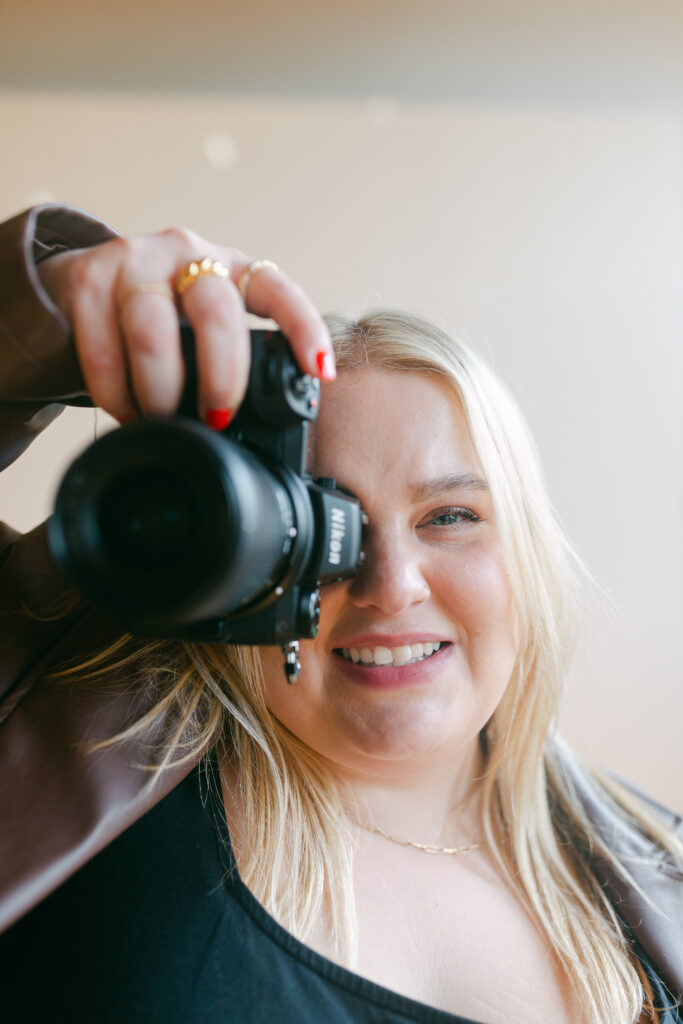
<point x="182" y="532"/>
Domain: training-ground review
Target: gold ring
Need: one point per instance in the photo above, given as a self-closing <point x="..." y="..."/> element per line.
<point x="149" y="288"/>
<point x="249" y="271"/>
<point x="195" y="269"/>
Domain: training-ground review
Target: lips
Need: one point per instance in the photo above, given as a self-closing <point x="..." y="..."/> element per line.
<point x="391" y="662"/>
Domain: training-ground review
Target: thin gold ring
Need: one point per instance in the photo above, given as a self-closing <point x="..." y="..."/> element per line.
<point x="148" y="288"/>
<point x="249" y="271"/>
<point x="196" y="269"/>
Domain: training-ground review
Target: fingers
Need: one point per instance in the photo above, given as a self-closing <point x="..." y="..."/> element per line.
<point x="80" y="284"/>
<point x="76" y="284"/>
<point x="148" y="321"/>
<point x="122" y="301"/>
<point x="214" y="308"/>
<point x="270" y="293"/>
<point x="101" y="355"/>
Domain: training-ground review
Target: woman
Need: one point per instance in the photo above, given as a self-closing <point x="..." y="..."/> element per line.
<point x="423" y="722"/>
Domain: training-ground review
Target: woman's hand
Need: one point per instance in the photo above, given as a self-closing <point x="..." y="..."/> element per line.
<point x="127" y="334"/>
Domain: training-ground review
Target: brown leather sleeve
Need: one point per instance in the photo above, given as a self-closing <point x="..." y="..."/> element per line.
<point x="39" y="370"/>
<point x="59" y="804"/>
<point x="39" y="373"/>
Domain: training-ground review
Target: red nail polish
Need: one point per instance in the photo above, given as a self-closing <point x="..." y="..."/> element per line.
<point x="325" y="364"/>
<point x="218" y="419"/>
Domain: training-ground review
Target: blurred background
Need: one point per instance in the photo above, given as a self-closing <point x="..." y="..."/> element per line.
<point x="511" y="170"/>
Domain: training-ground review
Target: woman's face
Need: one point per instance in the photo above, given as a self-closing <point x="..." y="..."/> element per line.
<point x="433" y="575"/>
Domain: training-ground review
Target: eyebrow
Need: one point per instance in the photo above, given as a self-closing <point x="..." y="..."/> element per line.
<point x="452" y="482"/>
<point x="431" y="488"/>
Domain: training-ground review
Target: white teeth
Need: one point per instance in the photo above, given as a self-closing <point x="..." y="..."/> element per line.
<point x="382" y="656"/>
<point x="405" y="655"/>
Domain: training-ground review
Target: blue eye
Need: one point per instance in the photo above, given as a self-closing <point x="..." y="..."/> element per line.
<point x="453" y="517"/>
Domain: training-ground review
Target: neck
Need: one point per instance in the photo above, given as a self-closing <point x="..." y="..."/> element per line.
<point x="434" y="804"/>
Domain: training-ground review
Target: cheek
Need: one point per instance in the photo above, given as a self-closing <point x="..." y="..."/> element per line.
<point x="480" y="600"/>
<point x="274" y="683"/>
<point x="291" y="704"/>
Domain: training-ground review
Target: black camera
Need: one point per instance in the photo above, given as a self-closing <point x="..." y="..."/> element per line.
<point x="180" y="531"/>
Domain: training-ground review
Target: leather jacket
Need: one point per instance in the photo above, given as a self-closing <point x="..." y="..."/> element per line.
<point x="60" y="805"/>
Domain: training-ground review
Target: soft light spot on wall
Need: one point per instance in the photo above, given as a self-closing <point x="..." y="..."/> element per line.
<point x="37" y="196"/>
<point x="220" y="150"/>
<point x="381" y="109"/>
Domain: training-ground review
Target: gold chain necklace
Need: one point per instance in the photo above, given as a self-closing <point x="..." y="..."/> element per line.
<point x="425" y="847"/>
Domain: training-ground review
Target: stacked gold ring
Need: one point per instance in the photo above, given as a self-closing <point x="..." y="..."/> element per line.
<point x="196" y="269"/>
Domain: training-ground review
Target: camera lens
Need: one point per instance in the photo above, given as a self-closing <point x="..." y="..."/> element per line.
<point x="146" y="519"/>
<point x="167" y="523"/>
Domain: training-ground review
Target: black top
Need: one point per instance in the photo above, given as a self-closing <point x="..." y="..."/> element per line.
<point x="159" y="929"/>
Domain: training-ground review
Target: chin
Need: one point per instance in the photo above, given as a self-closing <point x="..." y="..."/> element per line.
<point x="401" y="732"/>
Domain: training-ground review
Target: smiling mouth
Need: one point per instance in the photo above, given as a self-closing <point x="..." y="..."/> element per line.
<point x="409" y="654"/>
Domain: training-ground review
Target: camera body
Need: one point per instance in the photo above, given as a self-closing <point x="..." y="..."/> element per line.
<point x="180" y="531"/>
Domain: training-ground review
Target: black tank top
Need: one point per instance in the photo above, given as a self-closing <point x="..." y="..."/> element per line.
<point x="159" y="929"/>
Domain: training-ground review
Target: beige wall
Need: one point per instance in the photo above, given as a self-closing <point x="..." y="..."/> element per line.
<point x="550" y="234"/>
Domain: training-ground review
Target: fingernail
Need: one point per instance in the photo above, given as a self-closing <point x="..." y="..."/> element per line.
<point x="218" y="419"/>
<point x="325" y="364"/>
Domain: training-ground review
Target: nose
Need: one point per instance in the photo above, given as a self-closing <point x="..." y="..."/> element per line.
<point x="391" y="578"/>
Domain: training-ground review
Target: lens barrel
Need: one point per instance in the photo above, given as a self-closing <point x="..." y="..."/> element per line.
<point x="167" y="521"/>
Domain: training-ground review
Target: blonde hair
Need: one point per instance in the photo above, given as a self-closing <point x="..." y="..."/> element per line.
<point x="529" y="809"/>
<point x="298" y="853"/>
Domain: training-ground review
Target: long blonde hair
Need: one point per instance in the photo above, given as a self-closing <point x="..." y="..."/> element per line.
<point x="297" y="855"/>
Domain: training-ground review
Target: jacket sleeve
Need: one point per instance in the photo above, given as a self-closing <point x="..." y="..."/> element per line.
<point x="39" y="375"/>
<point x="40" y="372"/>
<point x="650" y="899"/>
<point x="59" y="803"/>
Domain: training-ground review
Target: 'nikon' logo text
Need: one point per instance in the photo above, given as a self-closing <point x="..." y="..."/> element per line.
<point x="337" y="534"/>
